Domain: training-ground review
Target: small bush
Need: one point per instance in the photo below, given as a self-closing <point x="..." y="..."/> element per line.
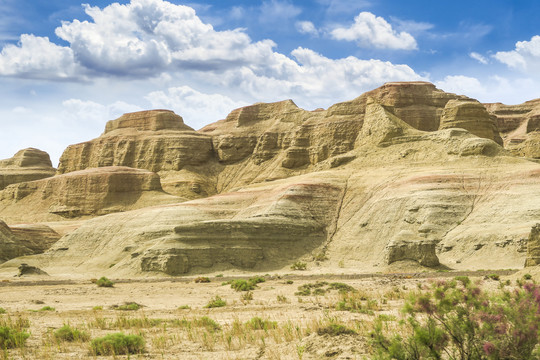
<point x="184" y="307"/>
<point x="219" y="275"/>
<point x="341" y="287"/>
<point x="527" y="277"/>
<point x="117" y="344"/>
<point x="289" y="282"/>
<point x="104" y="282"/>
<point x="299" y="265"/>
<point x="67" y="333"/>
<point x="47" y="308"/>
<point x="12" y="338"/>
<point x="494" y="277"/>
<point x="247" y="296"/>
<point x="216" y="302"/>
<point x="282" y="299"/>
<point x="2" y="310"/>
<point x="202" y="279"/>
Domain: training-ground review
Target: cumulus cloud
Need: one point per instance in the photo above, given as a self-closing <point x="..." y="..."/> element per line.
<point x="197" y="109"/>
<point x="306" y="27"/>
<point x="478" y="57"/>
<point x="460" y="84"/>
<point x="36" y="57"/>
<point x="525" y="57"/>
<point x="369" y="30"/>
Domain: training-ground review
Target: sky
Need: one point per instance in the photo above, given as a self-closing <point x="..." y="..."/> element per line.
<point x="67" y="67"/>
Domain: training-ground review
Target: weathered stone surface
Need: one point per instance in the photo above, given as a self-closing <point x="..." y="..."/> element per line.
<point x="472" y="116"/>
<point x="26" y="165"/>
<point x="25" y="269"/>
<point x="152" y="120"/>
<point x="20" y="240"/>
<point x="533" y="247"/>
<point x="92" y="192"/>
<point x="406" y="247"/>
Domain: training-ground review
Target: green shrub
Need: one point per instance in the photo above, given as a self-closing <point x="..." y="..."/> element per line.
<point x="184" y="307"/>
<point x="460" y="321"/>
<point x="527" y="277"/>
<point x="12" y="338"/>
<point x="494" y="277"/>
<point x="117" y="344"/>
<point x="207" y="323"/>
<point x="216" y="302"/>
<point x="341" y="287"/>
<point x="299" y="265"/>
<point x="104" y="282"/>
<point x="247" y="296"/>
<point x="67" y="333"/>
<point x="2" y="310"/>
<point x="202" y="279"/>
<point x="47" y="308"/>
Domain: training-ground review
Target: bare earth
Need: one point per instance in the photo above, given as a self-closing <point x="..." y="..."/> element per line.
<point x="171" y="332"/>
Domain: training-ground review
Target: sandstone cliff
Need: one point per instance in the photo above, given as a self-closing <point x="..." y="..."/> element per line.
<point x="90" y="192"/>
<point x="24" y="240"/>
<point x="26" y="165"/>
<point x="405" y="172"/>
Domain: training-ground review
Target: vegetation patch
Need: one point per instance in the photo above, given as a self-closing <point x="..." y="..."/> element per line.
<point x="216" y="302"/>
<point x="117" y="344"/>
<point x="128" y="306"/>
<point x="202" y="279"/>
<point x="69" y="334"/>
<point x="12" y="338"/>
<point x="104" y="282"/>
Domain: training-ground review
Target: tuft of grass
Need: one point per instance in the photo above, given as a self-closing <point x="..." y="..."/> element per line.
<point x="184" y="307"/>
<point x="247" y="285"/>
<point x="202" y="279"/>
<point x="207" y="323"/>
<point x="216" y="302"/>
<point x="2" y="310"/>
<point x="335" y="329"/>
<point x="12" y="338"/>
<point x="256" y="323"/>
<point x="104" y="282"/>
<point x="247" y="296"/>
<point x="67" y="333"/>
<point x="282" y="299"/>
<point x="219" y="275"/>
<point x="299" y="265"/>
<point x="97" y="308"/>
<point x="527" y="277"/>
<point x="117" y="344"/>
<point x="47" y="308"/>
<point x="494" y="277"/>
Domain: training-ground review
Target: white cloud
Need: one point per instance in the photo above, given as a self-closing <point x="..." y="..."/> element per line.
<point x="369" y="30"/>
<point x="197" y="109"/>
<point x="36" y="57"/>
<point x="460" y="84"/>
<point x="411" y="26"/>
<point x="306" y="27"/>
<point x="76" y="110"/>
<point x="277" y="10"/>
<point x="525" y="57"/>
<point x="478" y="57"/>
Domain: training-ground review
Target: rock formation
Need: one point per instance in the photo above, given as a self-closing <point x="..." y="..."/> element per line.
<point x="90" y="192"/>
<point x="25" y="240"/>
<point x="26" y="165"/>
<point x="403" y="172"/>
<point x="533" y="247"/>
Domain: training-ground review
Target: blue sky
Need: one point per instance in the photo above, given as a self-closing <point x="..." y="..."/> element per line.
<point x="68" y="67"/>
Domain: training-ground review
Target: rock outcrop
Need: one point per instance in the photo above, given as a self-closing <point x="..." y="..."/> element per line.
<point x="533" y="247"/>
<point x="26" y="165"/>
<point x="403" y="172"/>
<point x="90" y="192"/>
<point x="23" y="240"/>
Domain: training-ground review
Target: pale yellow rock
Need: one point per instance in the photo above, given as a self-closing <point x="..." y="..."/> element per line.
<point x="26" y="165"/>
<point x="90" y="192"/>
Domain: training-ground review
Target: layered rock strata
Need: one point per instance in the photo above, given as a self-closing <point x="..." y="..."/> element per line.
<point x="26" y="165"/>
<point x="90" y="192"/>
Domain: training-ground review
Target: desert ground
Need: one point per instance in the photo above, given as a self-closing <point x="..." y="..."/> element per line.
<point x="273" y="321"/>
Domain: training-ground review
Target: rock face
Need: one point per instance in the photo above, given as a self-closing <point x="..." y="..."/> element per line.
<point x="406" y="247"/>
<point x="519" y="126"/>
<point x="533" y="247"/>
<point x="471" y="116"/>
<point x="95" y="191"/>
<point x="25" y="240"/>
<point x="26" y="165"/>
<point x="403" y="172"/>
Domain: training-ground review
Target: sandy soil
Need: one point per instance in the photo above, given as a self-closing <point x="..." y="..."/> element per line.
<point x="172" y="332"/>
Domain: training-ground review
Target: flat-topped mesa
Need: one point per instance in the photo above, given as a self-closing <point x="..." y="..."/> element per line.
<point x="284" y="110"/>
<point x="26" y="165"/>
<point x="155" y="140"/>
<point x="150" y="120"/>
